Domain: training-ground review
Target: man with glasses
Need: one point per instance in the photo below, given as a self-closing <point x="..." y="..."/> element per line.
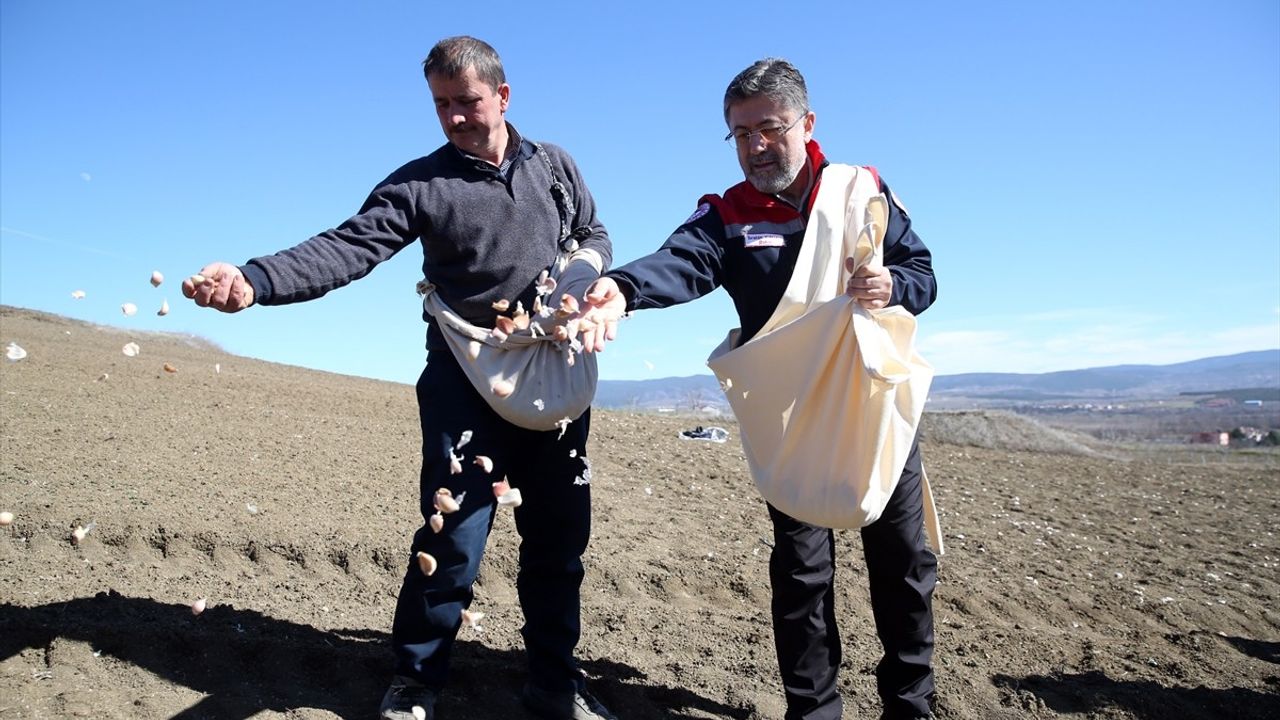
<point x="748" y="241"/>
<point x="490" y="209"/>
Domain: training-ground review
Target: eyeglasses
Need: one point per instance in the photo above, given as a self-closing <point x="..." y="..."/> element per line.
<point x="745" y="138"/>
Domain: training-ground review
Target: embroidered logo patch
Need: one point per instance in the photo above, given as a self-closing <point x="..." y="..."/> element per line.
<point x="703" y="209"/>
<point x="763" y="240"/>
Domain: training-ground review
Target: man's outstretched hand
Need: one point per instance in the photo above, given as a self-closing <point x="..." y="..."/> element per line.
<point x="220" y="286"/>
<point x="603" y="308"/>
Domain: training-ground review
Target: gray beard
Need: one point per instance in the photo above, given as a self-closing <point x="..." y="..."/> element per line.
<point x="774" y="182"/>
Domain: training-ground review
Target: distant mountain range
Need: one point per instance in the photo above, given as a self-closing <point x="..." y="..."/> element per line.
<point x="1259" y="369"/>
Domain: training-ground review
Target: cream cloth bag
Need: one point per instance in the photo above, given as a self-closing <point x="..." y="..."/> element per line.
<point x="527" y="379"/>
<point x="829" y="395"/>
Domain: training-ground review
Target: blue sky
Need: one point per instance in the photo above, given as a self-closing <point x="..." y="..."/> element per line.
<point x="1099" y="182"/>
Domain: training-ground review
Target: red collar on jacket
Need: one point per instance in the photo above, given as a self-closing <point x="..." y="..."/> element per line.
<point x="743" y="202"/>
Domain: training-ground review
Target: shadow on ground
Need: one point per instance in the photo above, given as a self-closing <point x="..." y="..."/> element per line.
<point x="245" y="662"/>
<point x="1093" y="691"/>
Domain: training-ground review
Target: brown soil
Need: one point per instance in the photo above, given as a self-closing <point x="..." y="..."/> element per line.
<point x="1075" y="584"/>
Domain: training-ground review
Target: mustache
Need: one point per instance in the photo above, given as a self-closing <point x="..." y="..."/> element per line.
<point x="763" y="158"/>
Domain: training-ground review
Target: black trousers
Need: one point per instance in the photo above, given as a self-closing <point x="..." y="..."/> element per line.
<point x="554" y="523"/>
<point x="902" y="573"/>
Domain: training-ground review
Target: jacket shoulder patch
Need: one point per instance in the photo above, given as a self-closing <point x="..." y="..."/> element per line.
<point x="703" y="209"/>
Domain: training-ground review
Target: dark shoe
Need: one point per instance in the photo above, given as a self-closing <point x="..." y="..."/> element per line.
<point x="581" y="705"/>
<point x="403" y="696"/>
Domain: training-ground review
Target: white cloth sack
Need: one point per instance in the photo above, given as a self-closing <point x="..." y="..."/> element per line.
<point x="829" y="395"/>
<point x="547" y="391"/>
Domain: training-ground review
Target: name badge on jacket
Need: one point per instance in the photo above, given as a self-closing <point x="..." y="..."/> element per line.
<point x="763" y="240"/>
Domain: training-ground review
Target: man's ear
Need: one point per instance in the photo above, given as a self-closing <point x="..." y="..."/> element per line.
<point x="504" y="92"/>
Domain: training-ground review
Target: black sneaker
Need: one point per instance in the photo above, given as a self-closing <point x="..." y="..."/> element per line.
<point x="551" y="705"/>
<point x="406" y="695"/>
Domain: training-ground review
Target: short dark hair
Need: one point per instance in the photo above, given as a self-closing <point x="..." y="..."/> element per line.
<point x="452" y="56"/>
<point x="774" y="78"/>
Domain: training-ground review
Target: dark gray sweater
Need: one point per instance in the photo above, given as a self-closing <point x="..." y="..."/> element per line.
<point x="485" y="236"/>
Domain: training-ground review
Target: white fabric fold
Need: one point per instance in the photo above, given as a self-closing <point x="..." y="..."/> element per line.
<point x="829" y="395"/>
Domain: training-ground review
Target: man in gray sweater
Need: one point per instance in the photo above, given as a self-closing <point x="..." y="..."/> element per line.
<point x="492" y="211"/>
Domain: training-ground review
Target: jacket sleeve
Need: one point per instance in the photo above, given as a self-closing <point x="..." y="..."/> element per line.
<point x="384" y="226"/>
<point x="687" y="266"/>
<point x="908" y="260"/>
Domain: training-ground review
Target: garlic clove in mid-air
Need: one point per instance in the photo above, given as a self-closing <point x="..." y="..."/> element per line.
<point x="445" y="502"/>
<point x="427" y="563"/>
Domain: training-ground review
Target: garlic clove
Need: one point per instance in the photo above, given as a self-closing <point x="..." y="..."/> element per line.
<point x="463" y="439"/>
<point x="169" y="368"/>
<point x="510" y="498"/>
<point x="500" y="487"/>
<point x="426" y="563"/>
<point x="472" y="619"/>
<point x="455" y="466"/>
<point x="198" y="606"/>
<point x="80" y="533"/>
<point x="505" y="324"/>
<point x="563" y="424"/>
<point x="445" y="501"/>
<point x="14" y="352"/>
<point x="503" y="388"/>
<point x="484" y="462"/>
<point x="437" y="522"/>
<point x="131" y="349"/>
<point x="129" y="309"/>
<point x="546" y="284"/>
<point x="6" y="518"/>
<point x="473" y="349"/>
<point x="77" y="294"/>
<point x="198" y="280"/>
<point x="498" y="333"/>
<point x="156" y="278"/>
<point x="418" y="712"/>
<point x="164" y="308"/>
<point x="501" y="305"/>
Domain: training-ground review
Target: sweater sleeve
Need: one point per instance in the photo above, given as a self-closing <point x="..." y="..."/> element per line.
<point x="908" y="260"/>
<point x="384" y="226"/>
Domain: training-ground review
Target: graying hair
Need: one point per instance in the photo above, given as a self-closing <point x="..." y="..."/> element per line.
<point x="773" y="78"/>
<point x="452" y="56"/>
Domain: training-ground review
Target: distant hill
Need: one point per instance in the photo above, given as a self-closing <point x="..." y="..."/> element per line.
<point x="1250" y="370"/>
<point x="675" y="393"/>
<point x="1259" y="369"/>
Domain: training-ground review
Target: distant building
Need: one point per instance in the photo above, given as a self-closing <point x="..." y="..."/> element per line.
<point x="1255" y="403"/>
<point x="1211" y="438"/>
